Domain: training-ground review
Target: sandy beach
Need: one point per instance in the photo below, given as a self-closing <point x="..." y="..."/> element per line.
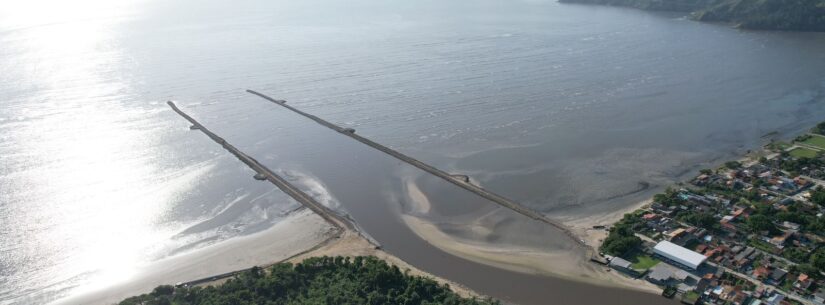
<point x="300" y="232"/>
<point x="569" y="264"/>
<point x="583" y="226"/>
<point x="305" y="234"/>
<point x="351" y="244"/>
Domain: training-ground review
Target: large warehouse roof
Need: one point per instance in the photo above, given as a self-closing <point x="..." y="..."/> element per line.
<point x="679" y="254"/>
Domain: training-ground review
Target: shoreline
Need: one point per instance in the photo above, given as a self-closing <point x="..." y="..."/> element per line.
<point x="351" y="244"/>
<point x="298" y="233"/>
<point x="583" y="226"/>
<point x="564" y="264"/>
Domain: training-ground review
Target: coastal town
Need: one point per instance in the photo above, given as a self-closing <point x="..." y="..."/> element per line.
<point x="750" y="232"/>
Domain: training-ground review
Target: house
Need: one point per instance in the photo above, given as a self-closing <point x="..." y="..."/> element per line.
<point x="775" y="299"/>
<point x="761" y="273"/>
<point x="802" y="284"/>
<point x="727" y="224"/>
<point x="660" y="274"/>
<point x="664" y="274"/>
<point x="779" y="241"/>
<point x="622" y="265"/>
<point x="675" y="233"/>
<point x="777" y="276"/>
<point x="744" y="254"/>
<point x="651" y="216"/>
<point x="790" y="225"/>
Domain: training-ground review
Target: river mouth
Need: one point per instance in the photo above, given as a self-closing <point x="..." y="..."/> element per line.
<point x="568" y="109"/>
<point x="448" y="231"/>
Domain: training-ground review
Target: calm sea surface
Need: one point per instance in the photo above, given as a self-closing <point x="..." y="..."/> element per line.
<point x="573" y="110"/>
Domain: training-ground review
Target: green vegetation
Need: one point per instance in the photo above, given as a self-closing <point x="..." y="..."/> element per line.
<point x="669" y="291"/>
<point x="644" y="262"/>
<point x="702" y="220"/>
<point x="818" y="196"/>
<point x="690" y="297"/>
<point x="733" y="164"/>
<point x="779" y="146"/>
<point x="798" y="163"/>
<point x="802" y="152"/>
<point x="759" y="223"/>
<point x="621" y="238"/>
<point x="817" y="260"/>
<point x="815" y="141"/>
<point x="785" y="15"/>
<point x="808" y="269"/>
<point x="820" y="128"/>
<point x="669" y="198"/>
<point x="795" y="254"/>
<point x="761" y="245"/>
<point x="321" y="280"/>
<point x="786" y="286"/>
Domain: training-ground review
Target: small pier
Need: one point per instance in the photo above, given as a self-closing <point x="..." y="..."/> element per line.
<point x="264" y="173"/>
<point x="458" y="180"/>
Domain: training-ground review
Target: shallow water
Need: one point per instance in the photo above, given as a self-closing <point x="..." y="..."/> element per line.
<point x="570" y="109"/>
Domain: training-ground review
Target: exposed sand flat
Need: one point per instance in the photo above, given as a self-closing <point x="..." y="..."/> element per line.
<point x="305" y="234"/>
<point x="560" y="264"/>
<point x="422" y="205"/>
<point x="583" y="226"/>
<point x="514" y="255"/>
<point x="351" y="244"/>
<point x="298" y="233"/>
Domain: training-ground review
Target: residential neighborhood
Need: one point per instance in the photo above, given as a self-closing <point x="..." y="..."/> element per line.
<point x="750" y="232"/>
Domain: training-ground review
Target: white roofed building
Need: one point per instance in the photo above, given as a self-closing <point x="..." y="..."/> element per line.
<point x="679" y="255"/>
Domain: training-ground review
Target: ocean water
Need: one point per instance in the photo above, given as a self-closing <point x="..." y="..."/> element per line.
<point x="570" y="109"/>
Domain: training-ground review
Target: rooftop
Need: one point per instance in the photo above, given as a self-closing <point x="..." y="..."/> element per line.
<point x="679" y="254"/>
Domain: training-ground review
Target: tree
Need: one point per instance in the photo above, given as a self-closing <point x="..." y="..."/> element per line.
<point x="703" y="220"/>
<point x="733" y="164"/>
<point x="806" y="269"/>
<point x="820" y="128"/>
<point x="818" y="259"/>
<point x="622" y="237"/>
<point x="818" y="196"/>
<point x="759" y="223"/>
<point x="669" y="198"/>
<point x="795" y="254"/>
<point x="318" y="280"/>
<point x="616" y="244"/>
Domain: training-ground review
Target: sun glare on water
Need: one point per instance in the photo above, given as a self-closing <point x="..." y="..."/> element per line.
<point x="90" y="178"/>
<point x="28" y="13"/>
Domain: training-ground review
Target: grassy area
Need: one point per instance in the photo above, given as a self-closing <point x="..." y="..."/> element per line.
<point x="802" y="152"/>
<point x="761" y="245"/>
<point x="644" y="262"/>
<point x="690" y="297"/>
<point x="787" y="285"/>
<point x="779" y="145"/>
<point x="816" y="141"/>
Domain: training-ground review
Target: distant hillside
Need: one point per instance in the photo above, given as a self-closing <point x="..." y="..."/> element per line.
<point x="784" y="15"/>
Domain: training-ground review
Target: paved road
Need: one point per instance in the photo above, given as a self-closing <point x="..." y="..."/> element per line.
<point x="758" y="283"/>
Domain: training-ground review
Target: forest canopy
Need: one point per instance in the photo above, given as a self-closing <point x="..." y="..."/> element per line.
<point x="318" y="280"/>
<point x="785" y="15"/>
